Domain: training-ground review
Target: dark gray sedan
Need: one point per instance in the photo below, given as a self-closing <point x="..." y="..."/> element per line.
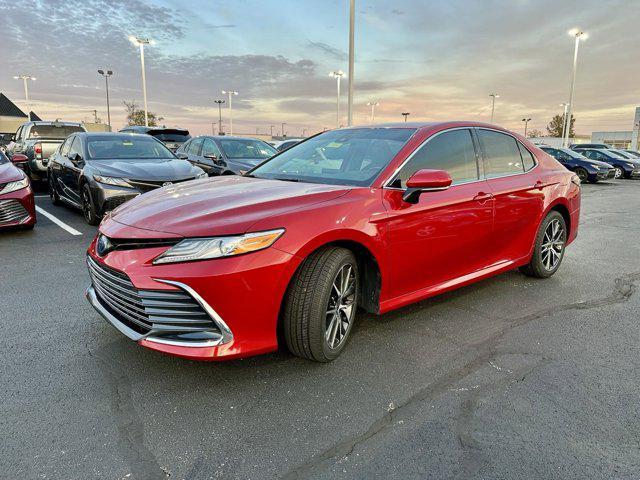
<point x="225" y="155"/>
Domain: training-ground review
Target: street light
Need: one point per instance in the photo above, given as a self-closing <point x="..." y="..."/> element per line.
<point x="219" y="102"/>
<point x="493" y="103"/>
<point x="141" y="42"/>
<point x="526" y="123"/>
<point x="405" y="115"/>
<point x="230" y="94"/>
<point x="373" y="106"/>
<point x="564" y="118"/>
<point x="25" y="79"/>
<point x="106" y="76"/>
<point x="337" y="74"/>
<point x="283" y="124"/>
<point x="577" y="34"/>
<point x="272" y="127"/>
<point x="352" y="23"/>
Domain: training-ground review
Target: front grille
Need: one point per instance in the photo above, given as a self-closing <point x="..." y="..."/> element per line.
<point x="148" y="185"/>
<point x="12" y="211"/>
<point x="160" y="312"/>
<point x="135" y="243"/>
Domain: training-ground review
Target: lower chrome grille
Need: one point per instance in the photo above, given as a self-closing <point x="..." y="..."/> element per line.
<point x="162" y="313"/>
<point x="12" y="211"/>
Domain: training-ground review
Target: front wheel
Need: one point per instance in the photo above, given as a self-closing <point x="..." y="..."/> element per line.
<point x="88" y="209"/>
<point x="320" y="305"/>
<point x="582" y="175"/>
<point x="619" y="172"/>
<point x="549" y="248"/>
<point x="53" y="193"/>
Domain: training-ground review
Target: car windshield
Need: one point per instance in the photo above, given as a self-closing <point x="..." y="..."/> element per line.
<point x="342" y="157"/>
<point x="171" y="137"/>
<point x="240" y="148"/>
<point x="615" y="154"/>
<point x="54" y="131"/>
<point x="571" y="153"/>
<point x="126" y="147"/>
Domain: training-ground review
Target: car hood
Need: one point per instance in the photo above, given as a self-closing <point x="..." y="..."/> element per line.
<point x="246" y="163"/>
<point x="169" y="169"/>
<point x="224" y="205"/>
<point x="9" y="173"/>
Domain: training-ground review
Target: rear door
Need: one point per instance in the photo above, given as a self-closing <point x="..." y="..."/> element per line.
<point x="446" y="234"/>
<point x="518" y="189"/>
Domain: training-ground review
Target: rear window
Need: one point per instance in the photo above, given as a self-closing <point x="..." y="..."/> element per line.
<point x="171" y="137"/>
<point x="54" y="131"/>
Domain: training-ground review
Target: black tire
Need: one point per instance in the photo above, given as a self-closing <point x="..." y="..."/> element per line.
<point x="582" y="175"/>
<point x="53" y="193"/>
<point x="306" y="321"/>
<point x="88" y="209"/>
<point x="540" y="266"/>
<point x="619" y="172"/>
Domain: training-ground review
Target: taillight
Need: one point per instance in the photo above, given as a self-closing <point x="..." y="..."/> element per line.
<point x="38" y="151"/>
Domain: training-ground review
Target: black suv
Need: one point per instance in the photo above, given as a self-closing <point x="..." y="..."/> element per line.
<point x="173" y="138"/>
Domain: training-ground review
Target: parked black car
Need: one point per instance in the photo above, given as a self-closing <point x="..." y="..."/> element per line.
<point x="97" y="172"/>
<point x="624" y="167"/>
<point x="599" y="146"/>
<point x="224" y="155"/>
<point x="173" y="138"/>
<point x="37" y="141"/>
<point x="588" y="170"/>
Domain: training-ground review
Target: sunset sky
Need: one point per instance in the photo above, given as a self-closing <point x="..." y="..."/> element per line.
<point x="436" y="59"/>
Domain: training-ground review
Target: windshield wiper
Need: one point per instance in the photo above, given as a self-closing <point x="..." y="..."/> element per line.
<point x="286" y="179"/>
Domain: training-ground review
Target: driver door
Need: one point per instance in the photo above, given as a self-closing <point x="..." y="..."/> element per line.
<point x="71" y="171"/>
<point x="446" y="234"/>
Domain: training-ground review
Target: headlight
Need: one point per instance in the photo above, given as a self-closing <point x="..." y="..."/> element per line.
<point x="632" y="165"/>
<point x="202" y="175"/>
<point x="17" y="185"/>
<point x="118" y="182"/>
<point x="597" y="167"/>
<point x="217" y="247"/>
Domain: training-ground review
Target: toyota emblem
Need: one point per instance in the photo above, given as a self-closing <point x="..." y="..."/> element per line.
<point x="103" y="246"/>
<point x="166" y="184"/>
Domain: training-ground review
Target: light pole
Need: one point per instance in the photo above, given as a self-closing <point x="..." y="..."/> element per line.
<point x="564" y="119"/>
<point x="526" y="123"/>
<point x="304" y="133"/>
<point x="493" y="104"/>
<point x="405" y="115"/>
<point x="352" y="24"/>
<point x="337" y="74"/>
<point x="219" y="102"/>
<point x="283" y="124"/>
<point x="578" y="34"/>
<point x="230" y="94"/>
<point x="106" y="75"/>
<point x="373" y="106"/>
<point x="25" y="79"/>
<point x="272" y="127"/>
<point x="141" y="42"/>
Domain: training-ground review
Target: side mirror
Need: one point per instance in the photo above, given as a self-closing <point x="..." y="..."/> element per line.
<point x="182" y="156"/>
<point x="211" y="156"/>
<point x="75" y="158"/>
<point x="426" y="181"/>
<point x="19" y="159"/>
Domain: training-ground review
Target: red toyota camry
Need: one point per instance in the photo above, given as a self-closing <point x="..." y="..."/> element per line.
<point x="372" y="217"/>
<point x="17" y="204"/>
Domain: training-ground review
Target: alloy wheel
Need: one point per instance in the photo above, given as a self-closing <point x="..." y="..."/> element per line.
<point x="552" y="244"/>
<point x="619" y="172"/>
<point x="582" y="175"/>
<point x="341" y="307"/>
<point x="86" y="205"/>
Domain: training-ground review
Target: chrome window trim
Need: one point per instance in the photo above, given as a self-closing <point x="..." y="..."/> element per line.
<point x="419" y="147"/>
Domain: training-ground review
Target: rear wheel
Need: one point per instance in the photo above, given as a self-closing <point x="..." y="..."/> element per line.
<point x="88" y="210"/>
<point x="549" y="247"/>
<point x="320" y="305"/>
<point x="619" y="172"/>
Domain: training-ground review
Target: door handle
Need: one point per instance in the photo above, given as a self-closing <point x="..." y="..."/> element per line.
<point x="539" y="185"/>
<point x="483" y="197"/>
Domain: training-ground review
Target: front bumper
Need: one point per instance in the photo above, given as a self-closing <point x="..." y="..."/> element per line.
<point x="243" y="293"/>
<point x="107" y="197"/>
<point x="18" y="209"/>
<point x="605" y="174"/>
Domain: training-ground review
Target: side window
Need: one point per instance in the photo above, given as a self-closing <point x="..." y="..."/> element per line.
<point x="64" y="148"/>
<point x="450" y="151"/>
<point x="75" y="147"/>
<point x="194" y="146"/>
<point x="527" y="158"/>
<point x="502" y="154"/>
<point x="209" y="147"/>
<point x="18" y="133"/>
<point x="184" y="147"/>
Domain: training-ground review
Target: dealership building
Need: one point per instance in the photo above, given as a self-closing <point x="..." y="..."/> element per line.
<point x="621" y="138"/>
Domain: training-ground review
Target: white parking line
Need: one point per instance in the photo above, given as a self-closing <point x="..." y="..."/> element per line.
<point x="58" y="222"/>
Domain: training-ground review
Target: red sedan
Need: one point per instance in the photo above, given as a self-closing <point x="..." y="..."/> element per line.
<point x="372" y="217"/>
<point x="17" y="204"/>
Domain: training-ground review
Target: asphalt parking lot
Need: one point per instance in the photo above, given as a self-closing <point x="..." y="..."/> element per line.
<point x="509" y="378"/>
